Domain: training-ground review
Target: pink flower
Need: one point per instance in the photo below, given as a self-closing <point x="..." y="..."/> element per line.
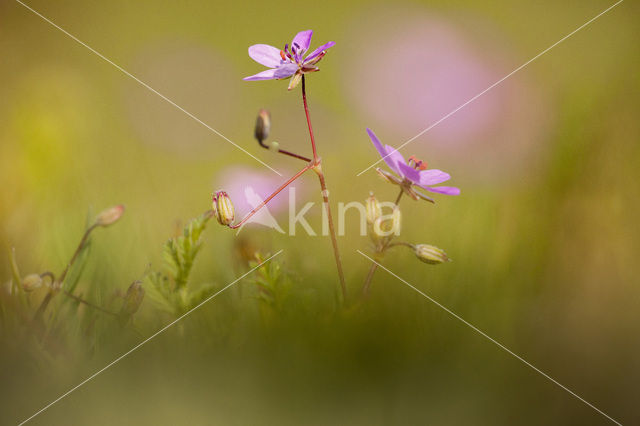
<point x="411" y="173"/>
<point x="289" y="62"/>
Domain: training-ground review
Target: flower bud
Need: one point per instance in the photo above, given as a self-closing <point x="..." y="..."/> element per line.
<point x="373" y="209"/>
<point x="133" y="298"/>
<point x="223" y="208"/>
<point x="110" y="216"/>
<point x="31" y="282"/>
<point x="263" y="125"/>
<point x="430" y="254"/>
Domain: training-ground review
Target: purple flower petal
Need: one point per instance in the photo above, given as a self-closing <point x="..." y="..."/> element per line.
<point x="286" y="70"/>
<point x="264" y="75"/>
<point x="301" y="41"/>
<point x="432" y="177"/>
<point x="409" y="172"/>
<point x="446" y="190"/>
<point x="266" y="55"/>
<point x="319" y="50"/>
<point x="383" y="152"/>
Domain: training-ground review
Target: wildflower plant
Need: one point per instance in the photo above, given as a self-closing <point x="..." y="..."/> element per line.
<point x="412" y="175"/>
<point x="294" y="63"/>
<point x="409" y="175"/>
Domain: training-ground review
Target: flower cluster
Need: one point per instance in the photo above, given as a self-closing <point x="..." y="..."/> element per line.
<point x="412" y="176"/>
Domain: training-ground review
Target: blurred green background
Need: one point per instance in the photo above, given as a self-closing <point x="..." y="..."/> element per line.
<point x="544" y="237"/>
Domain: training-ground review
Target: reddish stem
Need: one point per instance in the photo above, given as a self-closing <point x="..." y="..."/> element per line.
<point x="306" y="111"/>
<point x="264" y="203"/>
<point x="325" y="193"/>
<point x="291" y="154"/>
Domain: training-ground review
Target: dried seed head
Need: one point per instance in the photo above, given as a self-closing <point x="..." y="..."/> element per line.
<point x="430" y="254"/>
<point x="223" y="208"/>
<point x="263" y="126"/>
<point x="110" y="216"/>
<point x="31" y="282"/>
<point x="373" y="209"/>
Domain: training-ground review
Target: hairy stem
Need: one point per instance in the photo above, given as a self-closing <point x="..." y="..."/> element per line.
<point x="325" y="193"/>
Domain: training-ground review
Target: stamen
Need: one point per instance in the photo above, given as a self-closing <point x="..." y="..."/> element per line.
<point x="417" y="164"/>
<point x="282" y="55"/>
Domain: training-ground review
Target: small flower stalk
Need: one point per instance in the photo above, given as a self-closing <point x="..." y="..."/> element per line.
<point x="223" y="209"/>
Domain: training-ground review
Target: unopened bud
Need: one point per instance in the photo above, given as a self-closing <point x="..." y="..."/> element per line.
<point x="31" y="282"/>
<point x="133" y="298"/>
<point x="430" y="254"/>
<point x="110" y="216"/>
<point x="223" y="208"/>
<point x="263" y="126"/>
<point x="373" y="209"/>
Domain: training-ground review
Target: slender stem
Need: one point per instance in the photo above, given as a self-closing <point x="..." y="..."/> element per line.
<point x="374" y="266"/>
<point x="43" y="306"/>
<point x="291" y="154"/>
<point x="77" y="252"/>
<point x="332" y="231"/>
<point x="325" y="193"/>
<point x="306" y="111"/>
<point x="367" y="281"/>
<point x="81" y="300"/>
<point x="264" y="203"/>
<point x="55" y="283"/>
<point x="400" y="243"/>
<point x="398" y="199"/>
<point x="285" y="152"/>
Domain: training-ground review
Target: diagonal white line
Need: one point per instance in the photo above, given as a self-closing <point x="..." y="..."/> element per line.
<point x="496" y="83"/>
<point x="128" y="74"/>
<point x="501" y="346"/>
<point x="146" y="340"/>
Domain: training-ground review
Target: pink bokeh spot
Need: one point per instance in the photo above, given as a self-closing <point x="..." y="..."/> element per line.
<point x="414" y="69"/>
<point x="237" y="180"/>
<point x="428" y="71"/>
